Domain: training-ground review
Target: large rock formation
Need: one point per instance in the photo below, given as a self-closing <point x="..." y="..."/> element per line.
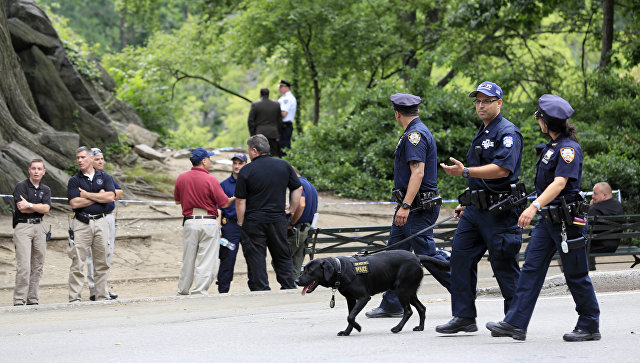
<point x="47" y="109"/>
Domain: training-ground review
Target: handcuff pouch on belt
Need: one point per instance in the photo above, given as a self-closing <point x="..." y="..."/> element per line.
<point x="422" y="201"/>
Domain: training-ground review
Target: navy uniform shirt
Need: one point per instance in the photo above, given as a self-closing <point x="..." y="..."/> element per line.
<point x="229" y="187"/>
<point x="416" y="144"/>
<point x="41" y="194"/>
<point x="101" y="180"/>
<point x="499" y="143"/>
<point x="562" y="157"/>
<point x="263" y="183"/>
<point x="112" y="205"/>
<point x="310" y="195"/>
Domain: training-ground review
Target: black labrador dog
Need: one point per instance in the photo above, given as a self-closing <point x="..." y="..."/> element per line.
<point x="360" y="277"/>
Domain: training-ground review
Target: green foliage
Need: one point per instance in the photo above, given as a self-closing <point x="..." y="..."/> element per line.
<point x="118" y="150"/>
<point x="355" y="156"/>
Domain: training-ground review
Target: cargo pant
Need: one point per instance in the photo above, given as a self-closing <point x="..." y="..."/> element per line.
<point x="92" y="237"/>
<point x="30" y="246"/>
<point x="111" y="243"/>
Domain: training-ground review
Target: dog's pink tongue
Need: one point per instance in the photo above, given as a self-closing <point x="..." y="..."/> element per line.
<point x="304" y="291"/>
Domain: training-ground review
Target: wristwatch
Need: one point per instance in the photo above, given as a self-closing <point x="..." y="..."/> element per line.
<point x="406" y="205"/>
<point x="30" y="205"/>
<point x="537" y="205"/>
<point x="465" y="172"/>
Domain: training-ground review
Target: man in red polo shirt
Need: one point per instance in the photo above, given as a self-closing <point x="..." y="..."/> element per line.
<point x="200" y="196"/>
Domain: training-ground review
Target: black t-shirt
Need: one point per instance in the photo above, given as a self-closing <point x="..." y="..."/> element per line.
<point x="39" y="195"/>
<point x="263" y="183"/>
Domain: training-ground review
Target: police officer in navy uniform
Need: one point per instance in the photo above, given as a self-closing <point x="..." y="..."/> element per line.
<point x="415" y="170"/>
<point x="558" y="177"/>
<point x="493" y="167"/>
<point x="230" y="228"/>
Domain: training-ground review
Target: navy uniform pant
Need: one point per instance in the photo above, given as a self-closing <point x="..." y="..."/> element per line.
<point x="423" y="244"/>
<point x="285" y="137"/>
<point x="230" y="231"/>
<point x="478" y="232"/>
<point x="271" y="235"/>
<point x="545" y="241"/>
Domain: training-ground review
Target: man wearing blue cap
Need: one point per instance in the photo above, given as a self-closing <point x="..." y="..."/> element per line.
<point x="493" y="168"/>
<point x="415" y="191"/>
<point x="200" y="196"/>
<point x="558" y="177"/>
<point x="230" y="228"/>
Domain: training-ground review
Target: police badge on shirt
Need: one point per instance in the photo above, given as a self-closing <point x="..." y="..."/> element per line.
<point x="414" y="138"/>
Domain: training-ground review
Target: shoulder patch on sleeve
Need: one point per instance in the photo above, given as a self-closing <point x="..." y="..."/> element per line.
<point x="414" y="138"/>
<point x="507" y="141"/>
<point x="567" y="153"/>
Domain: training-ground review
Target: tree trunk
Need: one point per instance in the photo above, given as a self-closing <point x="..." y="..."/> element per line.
<point x="18" y="121"/>
<point x="607" y="33"/>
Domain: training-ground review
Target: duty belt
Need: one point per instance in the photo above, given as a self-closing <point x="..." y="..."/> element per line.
<point x="30" y="220"/>
<point x="422" y="200"/>
<point x="493" y="201"/>
<point x="85" y="217"/>
<point x="564" y="211"/>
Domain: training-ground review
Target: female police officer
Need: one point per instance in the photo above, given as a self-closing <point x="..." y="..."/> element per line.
<point x="558" y="176"/>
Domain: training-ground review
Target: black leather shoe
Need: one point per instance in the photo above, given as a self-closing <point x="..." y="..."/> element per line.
<point x="502" y="329"/>
<point x="18" y="304"/>
<point x="32" y="303"/>
<point x="579" y="335"/>
<point x="381" y="313"/>
<point x="113" y="296"/>
<point x="456" y="325"/>
<point x="92" y="298"/>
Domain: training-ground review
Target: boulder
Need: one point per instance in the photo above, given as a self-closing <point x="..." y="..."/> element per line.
<point x="55" y="178"/>
<point x="149" y="153"/>
<point x="10" y="175"/>
<point x="66" y="143"/>
<point x="23" y="37"/>
<point x="140" y="135"/>
<point x="56" y="104"/>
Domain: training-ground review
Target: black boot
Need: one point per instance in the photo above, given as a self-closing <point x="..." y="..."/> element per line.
<point x="456" y="325"/>
<point x="503" y="329"/>
<point x="579" y="335"/>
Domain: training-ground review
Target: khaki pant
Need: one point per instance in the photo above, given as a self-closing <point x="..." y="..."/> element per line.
<point x="201" y="240"/>
<point x="30" y="245"/>
<point x="89" y="237"/>
<point x="111" y="243"/>
<point x="298" y="242"/>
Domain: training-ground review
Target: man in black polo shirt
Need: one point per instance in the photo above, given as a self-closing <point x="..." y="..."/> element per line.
<point x="89" y="191"/>
<point x="260" y="205"/>
<point x="32" y="200"/>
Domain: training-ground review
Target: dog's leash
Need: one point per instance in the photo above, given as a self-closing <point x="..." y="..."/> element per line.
<point x="366" y="253"/>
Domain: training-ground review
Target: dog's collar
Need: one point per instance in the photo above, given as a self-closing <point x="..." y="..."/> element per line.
<point x="338" y="278"/>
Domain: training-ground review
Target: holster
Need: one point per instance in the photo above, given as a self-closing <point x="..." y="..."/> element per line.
<point x="14" y="222"/>
<point x="397" y="195"/>
<point x="84" y="219"/>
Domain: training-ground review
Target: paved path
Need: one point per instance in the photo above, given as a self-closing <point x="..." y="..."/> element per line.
<point x="285" y="327"/>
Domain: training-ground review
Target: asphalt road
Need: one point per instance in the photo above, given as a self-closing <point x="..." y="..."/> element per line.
<point x="286" y="327"/>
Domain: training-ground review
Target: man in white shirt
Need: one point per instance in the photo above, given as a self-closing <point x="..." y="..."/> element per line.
<point x="288" y="105"/>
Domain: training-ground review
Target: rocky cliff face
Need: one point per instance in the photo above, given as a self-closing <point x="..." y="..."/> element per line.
<point x="47" y="109"/>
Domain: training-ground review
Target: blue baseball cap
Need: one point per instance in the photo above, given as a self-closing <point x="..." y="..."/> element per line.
<point x="200" y="154"/>
<point x="240" y="156"/>
<point x="488" y="88"/>
<point x="554" y="106"/>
